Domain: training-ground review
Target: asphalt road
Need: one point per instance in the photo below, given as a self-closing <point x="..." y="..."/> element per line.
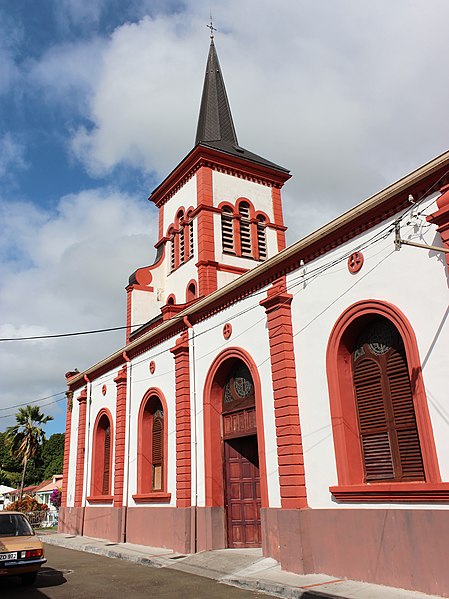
<point x="72" y="574"/>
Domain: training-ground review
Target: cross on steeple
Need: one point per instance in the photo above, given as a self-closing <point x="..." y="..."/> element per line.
<point x="211" y="27"/>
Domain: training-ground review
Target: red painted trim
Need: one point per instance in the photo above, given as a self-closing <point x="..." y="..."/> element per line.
<point x="161" y="221"/>
<point x="129" y="309"/>
<point x="144" y="440"/>
<point x="341" y="393"/>
<point x="81" y="444"/>
<point x="201" y="157"/>
<point x="391" y="492"/>
<point x="183" y="424"/>
<point x="156" y="497"/>
<point x="100" y="499"/>
<point x="98" y="456"/>
<point x="207" y="274"/>
<point x="67" y="437"/>
<point x="278" y="217"/>
<point x="236" y="270"/>
<point x="120" y="434"/>
<point x="292" y="482"/>
<point x="213" y="458"/>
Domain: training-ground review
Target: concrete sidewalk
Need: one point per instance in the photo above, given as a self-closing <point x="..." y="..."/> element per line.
<point x="245" y="568"/>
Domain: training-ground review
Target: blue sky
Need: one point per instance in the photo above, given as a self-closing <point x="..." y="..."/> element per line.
<point x="99" y="101"/>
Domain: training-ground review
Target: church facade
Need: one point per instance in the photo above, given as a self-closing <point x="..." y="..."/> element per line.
<point x="290" y="398"/>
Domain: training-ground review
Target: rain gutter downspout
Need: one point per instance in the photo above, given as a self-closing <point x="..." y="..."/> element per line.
<point x="193" y="428"/>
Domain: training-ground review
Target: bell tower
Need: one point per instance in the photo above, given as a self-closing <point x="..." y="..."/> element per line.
<point x="220" y="214"/>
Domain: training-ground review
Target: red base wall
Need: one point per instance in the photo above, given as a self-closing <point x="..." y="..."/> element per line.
<point x="399" y="548"/>
<point x="402" y="548"/>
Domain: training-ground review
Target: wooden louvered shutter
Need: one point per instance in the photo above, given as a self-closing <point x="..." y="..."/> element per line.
<point x="375" y="439"/>
<point x="227" y="231"/>
<point x="245" y="230"/>
<point x="409" y="449"/>
<point x="387" y="424"/>
<point x="157" y="451"/>
<point x="107" y="461"/>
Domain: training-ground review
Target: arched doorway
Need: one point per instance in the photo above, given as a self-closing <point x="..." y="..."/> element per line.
<point x="234" y="447"/>
<point x="241" y="459"/>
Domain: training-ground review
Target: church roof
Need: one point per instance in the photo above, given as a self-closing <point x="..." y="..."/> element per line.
<point x="215" y="125"/>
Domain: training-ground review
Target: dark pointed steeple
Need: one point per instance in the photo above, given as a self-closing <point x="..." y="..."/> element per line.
<point x="215" y="120"/>
<point x="215" y="125"/>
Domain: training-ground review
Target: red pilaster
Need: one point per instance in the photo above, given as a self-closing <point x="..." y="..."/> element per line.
<point x="79" y="482"/>
<point x="120" y="431"/>
<point x="277" y="305"/>
<point x="68" y="430"/>
<point x="441" y="218"/>
<point x="183" y="435"/>
<point x="207" y="266"/>
<point x="278" y="216"/>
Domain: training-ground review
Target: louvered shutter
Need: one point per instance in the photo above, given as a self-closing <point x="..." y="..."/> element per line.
<point x="261" y="239"/>
<point x="227" y="231"/>
<point x="404" y="417"/>
<point x="375" y="439"/>
<point x="157" y="452"/>
<point x="245" y="230"/>
<point x="107" y="460"/>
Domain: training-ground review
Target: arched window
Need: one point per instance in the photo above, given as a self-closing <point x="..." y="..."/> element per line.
<point x="172" y="252"/>
<point x="261" y="237"/>
<point x="151" y="452"/>
<point x="182" y="237"/>
<point x="388" y="432"/>
<point x="191" y="244"/>
<point x="191" y="291"/>
<point x="382" y="432"/>
<point x="245" y="229"/>
<point x="227" y="230"/>
<point x="102" y="457"/>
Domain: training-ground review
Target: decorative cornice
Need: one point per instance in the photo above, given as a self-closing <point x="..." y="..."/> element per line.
<point x="218" y="161"/>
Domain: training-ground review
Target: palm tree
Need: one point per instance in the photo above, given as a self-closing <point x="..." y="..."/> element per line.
<point x="26" y="436"/>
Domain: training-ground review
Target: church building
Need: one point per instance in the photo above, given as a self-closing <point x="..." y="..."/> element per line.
<point x="288" y="398"/>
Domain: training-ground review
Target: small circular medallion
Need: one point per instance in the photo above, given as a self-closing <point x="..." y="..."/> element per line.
<point x="227" y="330"/>
<point x="355" y="262"/>
<point x="104" y="389"/>
<point x="152" y="366"/>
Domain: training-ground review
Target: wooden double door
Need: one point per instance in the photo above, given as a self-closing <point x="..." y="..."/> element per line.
<point x="242" y="492"/>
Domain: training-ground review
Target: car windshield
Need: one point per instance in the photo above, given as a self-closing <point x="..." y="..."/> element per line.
<point x="14" y="525"/>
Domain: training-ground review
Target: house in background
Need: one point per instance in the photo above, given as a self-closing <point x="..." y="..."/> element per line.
<point x="289" y="398"/>
<point x="4" y="490"/>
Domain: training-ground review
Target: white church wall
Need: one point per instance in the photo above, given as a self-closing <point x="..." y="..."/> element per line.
<point x="178" y="279"/>
<point x="414" y="281"/>
<point x="184" y="197"/>
<point x="142" y="380"/>
<point x="144" y="306"/>
<point x="73" y="450"/>
<point x="249" y="332"/>
<point x="227" y="188"/>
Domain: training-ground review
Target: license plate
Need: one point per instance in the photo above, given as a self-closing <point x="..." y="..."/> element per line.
<point x="7" y="556"/>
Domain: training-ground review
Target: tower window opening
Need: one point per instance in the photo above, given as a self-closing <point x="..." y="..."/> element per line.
<point x="172" y="253"/>
<point x="261" y="238"/>
<point x="227" y="231"/>
<point x="245" y="230"/>
<point x="191" y="244"/>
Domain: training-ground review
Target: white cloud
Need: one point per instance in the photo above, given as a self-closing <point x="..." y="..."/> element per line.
<point x="11" y="155"/>
<point x="64" y="272"/>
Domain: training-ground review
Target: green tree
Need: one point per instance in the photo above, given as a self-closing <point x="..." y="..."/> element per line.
<point x="53" y="455"/>
<point x="25" y="438"/>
